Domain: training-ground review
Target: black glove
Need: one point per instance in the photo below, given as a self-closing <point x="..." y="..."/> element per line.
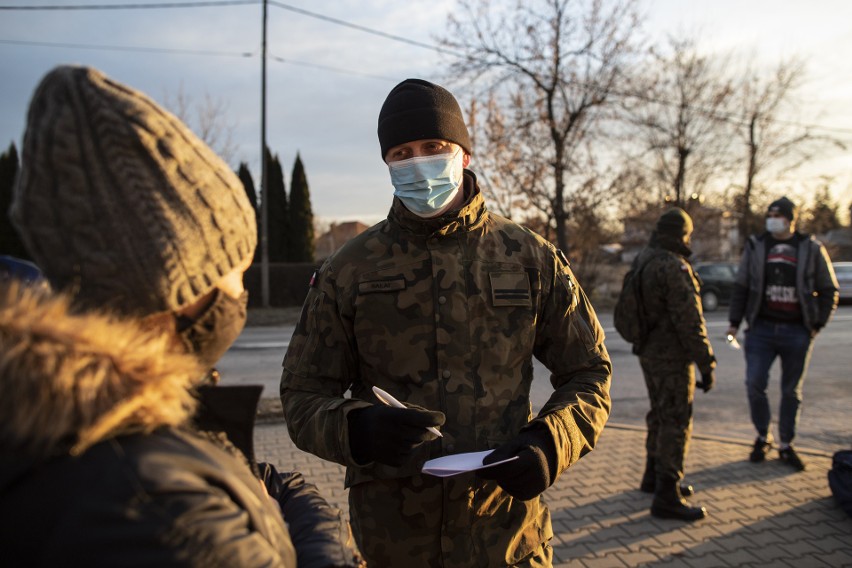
<point x="389" y="435"/>
<point x="708" y="379"/>
<point x="528" y="476"/>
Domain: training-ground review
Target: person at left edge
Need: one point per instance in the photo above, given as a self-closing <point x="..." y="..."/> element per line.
<point x="144" y="235"/>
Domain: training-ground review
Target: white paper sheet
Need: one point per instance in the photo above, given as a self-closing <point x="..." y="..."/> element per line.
<point x="446" y="466"/>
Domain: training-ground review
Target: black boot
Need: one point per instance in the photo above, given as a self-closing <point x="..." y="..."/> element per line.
<point x="670" y="504"/>
<point x="649" y="478"/>
<point x="649" y="481"/>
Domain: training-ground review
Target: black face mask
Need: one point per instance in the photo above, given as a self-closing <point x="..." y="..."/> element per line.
<point x="671" y="243"/>
<point x="216" y="329"/>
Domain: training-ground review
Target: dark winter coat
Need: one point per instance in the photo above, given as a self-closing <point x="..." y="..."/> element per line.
<point x="816" y="285"/>
<point x="99" y="465"/>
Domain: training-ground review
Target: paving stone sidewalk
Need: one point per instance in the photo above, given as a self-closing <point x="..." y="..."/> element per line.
<point x="759" y="514"/>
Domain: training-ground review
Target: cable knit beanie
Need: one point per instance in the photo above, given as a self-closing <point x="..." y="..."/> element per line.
<point x="675" y="222"/>
<point x="417" y="109"/>
<point x="783" y="207"/>
<point x="120" y="203"/>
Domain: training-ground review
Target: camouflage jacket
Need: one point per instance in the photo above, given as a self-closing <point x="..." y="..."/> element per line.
<point x="447" y="314"/>
<point x="671" y="294"/>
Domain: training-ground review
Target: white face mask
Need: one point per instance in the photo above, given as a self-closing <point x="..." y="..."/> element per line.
<point x="777" y="225"/>
<point x="427" y="185"/>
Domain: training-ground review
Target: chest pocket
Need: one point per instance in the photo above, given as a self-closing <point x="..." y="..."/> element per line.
<point x="510" y="289"/>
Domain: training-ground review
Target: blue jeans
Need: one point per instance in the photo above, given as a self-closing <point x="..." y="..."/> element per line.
<point x="765" y="341"/>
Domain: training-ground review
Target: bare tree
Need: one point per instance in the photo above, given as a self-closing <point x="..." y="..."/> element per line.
<point x="771" y="143"/>
<point x="549" y="69"/>
<point x="680" y="109"/>
<point x="506" y="165"/>
<point x="208" y="119"/>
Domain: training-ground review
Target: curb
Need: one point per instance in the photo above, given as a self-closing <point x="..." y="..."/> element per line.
<point x="269" y="411"/>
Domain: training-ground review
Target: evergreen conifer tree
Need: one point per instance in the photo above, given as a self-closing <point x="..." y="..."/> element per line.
<point x="301" y="216"/>
<point x="822" y="217"/>
<point x="278" y="230"/>
<point x="10" y="241"/>
<point x="248" y="183"/>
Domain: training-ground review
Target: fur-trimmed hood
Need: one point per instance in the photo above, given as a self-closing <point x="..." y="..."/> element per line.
<point x="69" y="380"/>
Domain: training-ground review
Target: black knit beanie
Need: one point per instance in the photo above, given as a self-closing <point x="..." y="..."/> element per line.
<point x="785" y="207"/>
<point x="675" y="222"/>
<point x="417" y="109"/>
<point x="120" y="202"/>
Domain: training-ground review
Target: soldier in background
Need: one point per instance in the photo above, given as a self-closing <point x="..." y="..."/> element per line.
<point x="444" y="304"/>
<point x="677" y="337"/>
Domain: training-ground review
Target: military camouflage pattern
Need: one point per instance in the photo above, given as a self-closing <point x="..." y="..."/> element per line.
<point x="446" y="314"/>
<point x="677" y="338"/>
<point x="671" y="292"/>
<point x="671" y="388"/>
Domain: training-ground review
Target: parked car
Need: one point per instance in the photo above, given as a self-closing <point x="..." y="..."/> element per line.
<point x="843" y="271"/>
<point x="717" y="283"/>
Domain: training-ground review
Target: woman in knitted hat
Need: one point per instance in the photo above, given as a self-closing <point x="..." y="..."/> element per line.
<point x="111" y="451"/>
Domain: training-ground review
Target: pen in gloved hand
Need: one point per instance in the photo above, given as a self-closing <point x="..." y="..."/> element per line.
<point x="389" y="400"/>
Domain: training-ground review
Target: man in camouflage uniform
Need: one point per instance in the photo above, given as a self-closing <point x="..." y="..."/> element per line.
<point x="443" y="305"/>
<point x="677" y="337"/>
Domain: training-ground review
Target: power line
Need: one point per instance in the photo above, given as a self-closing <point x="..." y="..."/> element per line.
<point x="730" y="117"/>
<point x="329" y="68"/>
<point x="217" y="3"/>
<point x="365" y="29"/>
<point x="128" y="48"/>
<point x="205" y="4"/>
<point x="157" y="6"/>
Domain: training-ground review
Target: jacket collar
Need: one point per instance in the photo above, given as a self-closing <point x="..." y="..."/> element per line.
<point x="230" y="411"/>
<point x="471" y="215"/>
<point x="796" y="238"/>
<point x="69" y="380"/>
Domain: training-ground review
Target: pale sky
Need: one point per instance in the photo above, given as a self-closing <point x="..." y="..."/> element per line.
<point x="324" y="98"/>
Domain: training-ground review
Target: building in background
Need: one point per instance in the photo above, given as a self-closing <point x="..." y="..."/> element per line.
<point x="333" y="239"/>
<point x="715" y="238"/>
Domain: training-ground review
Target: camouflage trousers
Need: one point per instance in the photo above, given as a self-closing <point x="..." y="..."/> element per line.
<point x="671" y="390"/>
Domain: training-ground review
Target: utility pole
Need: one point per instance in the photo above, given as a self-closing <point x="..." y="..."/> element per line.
<point x="264" y="204"/>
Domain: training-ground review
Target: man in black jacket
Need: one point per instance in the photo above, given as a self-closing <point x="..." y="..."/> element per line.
<point x="786" y="291"/>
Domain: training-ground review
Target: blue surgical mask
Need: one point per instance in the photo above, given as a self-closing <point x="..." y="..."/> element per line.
<point x="777" y="224"/>
<point x="427" y="185"/>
